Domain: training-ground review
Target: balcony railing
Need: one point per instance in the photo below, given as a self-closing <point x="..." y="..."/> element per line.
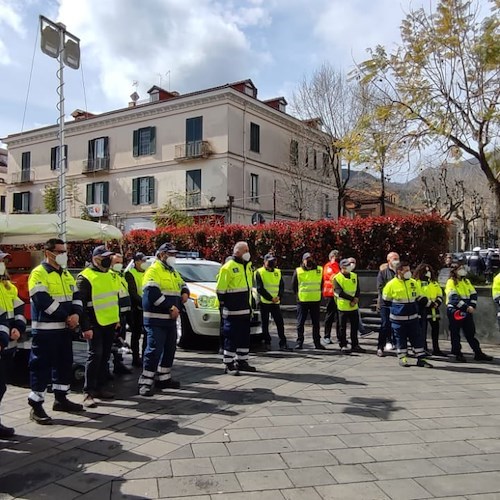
<point x="96" y="165"/>
<point x="190" y="150"/>
<point x="23" y="177"/>
<point x="193" y="199"/>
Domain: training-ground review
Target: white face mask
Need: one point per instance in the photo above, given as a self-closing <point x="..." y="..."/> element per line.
<point x="351" y="267"/>
<point x="170" y="261"/>
<point x="2" y="268"/>
<point x="462" y="272"/>
<point x="428" y="274"/>
<point x="407" y="275"/>
<point x="144" y="265"/>
<point x="117" y="267"/>
<point x="246" y="256"/>
<point x="394" y="264"/>
<point x="62" y="259"/>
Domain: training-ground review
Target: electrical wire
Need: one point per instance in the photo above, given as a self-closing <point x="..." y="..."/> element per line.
<point x="29" y="80"/>
<point x="84" y="90"/>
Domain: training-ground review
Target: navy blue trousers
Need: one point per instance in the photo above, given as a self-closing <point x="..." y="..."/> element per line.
<point x="236" y="332"/>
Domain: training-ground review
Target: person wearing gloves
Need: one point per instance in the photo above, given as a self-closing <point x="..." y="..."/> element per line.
<point x="164" y="292"/>
<point x="403" y="296"/>
<point x="56" y="310"/>
<point x="12" y="326"/>
<point x="347" y="292"/>
<point x="461" y="303"/>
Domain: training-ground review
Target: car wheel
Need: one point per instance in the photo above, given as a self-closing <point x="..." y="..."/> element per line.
<point x="188" y="337"/>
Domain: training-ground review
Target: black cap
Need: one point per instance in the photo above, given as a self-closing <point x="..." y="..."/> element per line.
<point x="166" y="247"/>
<point x="269" y="256"/>
<point x="139" y="256"/>
<point x="344" y="263"/>
<point x="101" y="251"/>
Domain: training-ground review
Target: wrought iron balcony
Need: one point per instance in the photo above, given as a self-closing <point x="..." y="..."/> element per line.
<point x="93" y="165"/>
<point x="23" y="177"/>
<point x="193" y="199"/>
<point x="191" y="150"/>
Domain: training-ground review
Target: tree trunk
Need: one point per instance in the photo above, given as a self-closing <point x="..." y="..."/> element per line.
<point x="382" y="191"/>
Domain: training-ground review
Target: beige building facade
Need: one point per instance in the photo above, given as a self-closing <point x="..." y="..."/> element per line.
<point x="219" y="153"/>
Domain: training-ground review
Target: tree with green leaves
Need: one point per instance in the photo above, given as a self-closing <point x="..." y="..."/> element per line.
<point x="444" y="80"/>
<point x="172" y="213"/>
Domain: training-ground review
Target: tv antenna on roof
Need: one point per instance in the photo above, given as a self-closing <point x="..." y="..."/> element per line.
<point x="160" y="79"/>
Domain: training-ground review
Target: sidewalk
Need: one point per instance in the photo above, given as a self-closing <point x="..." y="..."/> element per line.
<point x="310" y="425"/>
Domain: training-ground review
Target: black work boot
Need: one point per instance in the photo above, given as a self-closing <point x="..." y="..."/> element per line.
<point x="243" y="366"/>
<point x="64" y="404"/>
<point x="38" y="414"/>
<point x="232" y="369"/>
<point x="481" y="356"/>
<point x="168" y="384"/>
<point x="6" y="432"/>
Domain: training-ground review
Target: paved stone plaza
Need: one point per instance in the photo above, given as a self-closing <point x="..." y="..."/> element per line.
<point x="308" y="425"/>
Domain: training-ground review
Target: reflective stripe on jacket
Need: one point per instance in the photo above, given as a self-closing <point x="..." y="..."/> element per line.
<point x="460" y="295"/>
<point x="11" y="312"/>
<point x="234" y="288"/>
<point x="329" y="271"/>
<point x="403" y="297"/>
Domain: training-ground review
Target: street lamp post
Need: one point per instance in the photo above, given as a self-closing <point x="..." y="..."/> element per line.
<point x="60" y="44"/>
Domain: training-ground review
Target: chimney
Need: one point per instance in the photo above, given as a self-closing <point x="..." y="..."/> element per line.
<point x="278" y="103"/>
<point x="79" y="114"/>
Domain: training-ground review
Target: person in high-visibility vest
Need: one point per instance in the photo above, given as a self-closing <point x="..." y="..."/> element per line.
<point x="164" y="292"/>
<point x="135" y="277"/>
<point x="12" y="326"/>
<point x="330" y="269"/>
<point x="307" y="283"/>
<point x="56" y="309"/>
<point x="270" y="287"/>
<point x="99" y="291"/>
<point x="461" y="303"/>
<point x="495" y="292"/>
<point x="234" y="291"/>
<point x="116" y="270"/>
<point x="403" y="296"/>
<point x="427" y="279"/>
<point x="347" y="292"/>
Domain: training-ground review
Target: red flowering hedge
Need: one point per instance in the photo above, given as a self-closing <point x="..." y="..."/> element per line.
<point x="416" y="238"/>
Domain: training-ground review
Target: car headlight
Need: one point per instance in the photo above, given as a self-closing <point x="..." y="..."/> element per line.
<point x="207" y="302"/>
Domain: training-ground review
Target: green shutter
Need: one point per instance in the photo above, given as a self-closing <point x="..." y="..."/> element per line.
<point x="136" y="143"/>
<point x="152" y="140"/>
<point x="90" y="194"/>
<point x="66" y="161"/>
<point x="53" y="159"/>
<point x="151" y="181"/>
<point x="135" y="191"/>
<point x="18" y="202"/>
<point x="29" y="202"/>
<point x="105" y="194"/>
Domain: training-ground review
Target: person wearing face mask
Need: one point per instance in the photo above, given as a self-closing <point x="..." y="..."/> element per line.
<point x="56" y="309"/>
<point x="461" y="303"/>
<point x="427" y="279"/>
<point x="134" y="278"/>
<point x="362" y="328"/>
<point x="403" y="296"/>
<point x="270" y="287"/>
<point x="99" y="291"/>
<point x="12" y="326"/>
<point x="164" y="292"/>
<point x="307" y="283"/>
<point x="330" y="269"/>
<point x="386" y="273"/>
<point x="124" y="303"/>
<point x="347" y="292"/>
<point x="234" y="291"/>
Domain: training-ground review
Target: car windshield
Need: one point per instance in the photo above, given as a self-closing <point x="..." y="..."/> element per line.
<point x="198" y="272"/>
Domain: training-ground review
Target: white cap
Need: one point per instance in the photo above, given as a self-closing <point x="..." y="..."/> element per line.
<point x="476" y="249"/>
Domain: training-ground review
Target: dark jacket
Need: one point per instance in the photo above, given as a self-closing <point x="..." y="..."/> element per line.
<point x="385" y="275"/>
<point x="135" y="298"/>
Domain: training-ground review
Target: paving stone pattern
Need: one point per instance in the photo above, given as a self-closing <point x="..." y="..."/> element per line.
<point x="308" y="425"/>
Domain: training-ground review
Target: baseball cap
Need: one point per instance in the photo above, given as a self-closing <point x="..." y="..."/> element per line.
<point x="139" y="256"/>
<point x="3" y="255"/>
<point x="307" y="255"/>
<point x="101" y="251"/>
<point x="166" y="247"/>
<point x="269" y="256"/>
<point x="344" y="263"/>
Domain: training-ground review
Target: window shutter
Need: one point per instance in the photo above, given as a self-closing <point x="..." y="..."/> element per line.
<point x="66" y="156"/>
<point x="53" y="158"/>
<point x="106" y="147"/>
<point x="152" y="140"/>
<point x="135" y="191"/>
<point x="90" y="194"/>
<point x="151" y="181"/>
<point x="29" y="202"/>
<point x="18" y="202"/>
<point x="136" y="143"/>
<point x="26" y="160"/>
<point x="90" y="155"/>
<point x="105" y="193"/>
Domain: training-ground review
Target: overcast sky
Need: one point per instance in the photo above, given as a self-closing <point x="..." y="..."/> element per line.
<point x="186" y="44"/>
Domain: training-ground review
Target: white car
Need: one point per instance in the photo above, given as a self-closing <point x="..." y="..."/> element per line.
<point x="200" y="315"/>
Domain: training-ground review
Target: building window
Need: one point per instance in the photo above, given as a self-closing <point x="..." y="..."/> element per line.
<point x="315" y="159"/>
<point x="254" y="188"/>
<point x="326" y="163"/>
<point x="144" y="141"/>
<point x="22" y="202"/>
<point x="3" y="204"/>
<point x="294" y="153"/>
<point x="254" y="137"/>
<point x="194" y="136"/>
<point x="26" y="166"/>
<point x="193" y="188"/>
<point x="54" y="157"/>
<point x="98" y="155"/>
<point x="326" y="206"/>
<point x="98" y="193"/>
<point x="143" y="191"/>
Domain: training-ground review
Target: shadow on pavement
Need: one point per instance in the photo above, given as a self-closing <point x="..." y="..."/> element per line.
<point x="380" y="408"/>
